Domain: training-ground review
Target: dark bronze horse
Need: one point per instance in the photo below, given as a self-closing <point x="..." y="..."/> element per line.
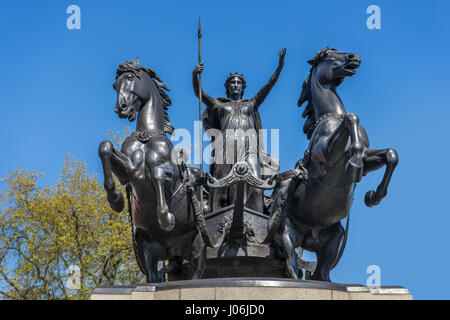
<point x="159" y="195"/>
<point x="309" y="205"/>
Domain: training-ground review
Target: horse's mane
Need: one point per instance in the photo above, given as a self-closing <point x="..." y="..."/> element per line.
<point x="134" y="68"/>
<point x="305" y="95"/>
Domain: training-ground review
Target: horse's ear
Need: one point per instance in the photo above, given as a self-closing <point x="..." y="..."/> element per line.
<point x="136" y="61"/>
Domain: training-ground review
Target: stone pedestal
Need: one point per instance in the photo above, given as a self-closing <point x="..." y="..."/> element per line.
<point x="249" y="289"/>
<point x="236" y="267"/>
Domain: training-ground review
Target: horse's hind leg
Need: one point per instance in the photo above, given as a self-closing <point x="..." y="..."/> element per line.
<point x="288" y="240"/>
<point x="146" y="255"/>
<point x="374" y="160"/>
<point x="198" y="258"/>
<point x="327" y="253"/>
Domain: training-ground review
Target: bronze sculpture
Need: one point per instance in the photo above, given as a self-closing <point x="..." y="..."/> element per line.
<point x="159" y="189"/>
<point x="235" y="113"/>
<point x="309" y="205"/>
<point x="235" y="211"/>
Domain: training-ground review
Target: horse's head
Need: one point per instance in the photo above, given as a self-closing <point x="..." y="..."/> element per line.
<point x="332" y="66"/>
<point x="134" y="87"/>
<point x="329" y="69"/>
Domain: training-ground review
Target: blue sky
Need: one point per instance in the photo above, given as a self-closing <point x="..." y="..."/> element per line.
<point x="56" y="98"/>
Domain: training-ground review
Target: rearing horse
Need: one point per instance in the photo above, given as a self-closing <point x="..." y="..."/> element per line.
<point x="309" y="206"/>
<point x="160" y="200"/>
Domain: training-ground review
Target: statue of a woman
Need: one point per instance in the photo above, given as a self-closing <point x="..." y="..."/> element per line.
<point x="239" y="122"/>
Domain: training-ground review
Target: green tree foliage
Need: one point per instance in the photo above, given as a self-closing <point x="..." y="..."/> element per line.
<point x="45" y="230"/>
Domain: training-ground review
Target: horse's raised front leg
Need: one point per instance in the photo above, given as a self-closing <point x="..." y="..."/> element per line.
<point x="166" y="220"/>
<point x="337" y="142"/>
<point x="354" y="166"/>
<point x="115" y="162"/>
<point x="163" y="174"/>
<point x="374" y="160"/>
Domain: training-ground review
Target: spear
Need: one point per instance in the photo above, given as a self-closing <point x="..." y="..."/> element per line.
<point x="199" y="36"/>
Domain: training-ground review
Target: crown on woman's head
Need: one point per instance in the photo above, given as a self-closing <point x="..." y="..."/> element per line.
<point x="238" y="75"/>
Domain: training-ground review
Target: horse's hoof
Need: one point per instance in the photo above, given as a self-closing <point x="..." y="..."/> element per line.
<point x="321" y="277"/>
<point x="369" y="199"/>
<point x="166" y="221"/>
<point x="291" y="273"/>
<point x="116" y="200"/>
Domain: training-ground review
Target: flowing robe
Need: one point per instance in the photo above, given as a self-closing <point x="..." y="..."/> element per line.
<point x="230" y="115"/>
